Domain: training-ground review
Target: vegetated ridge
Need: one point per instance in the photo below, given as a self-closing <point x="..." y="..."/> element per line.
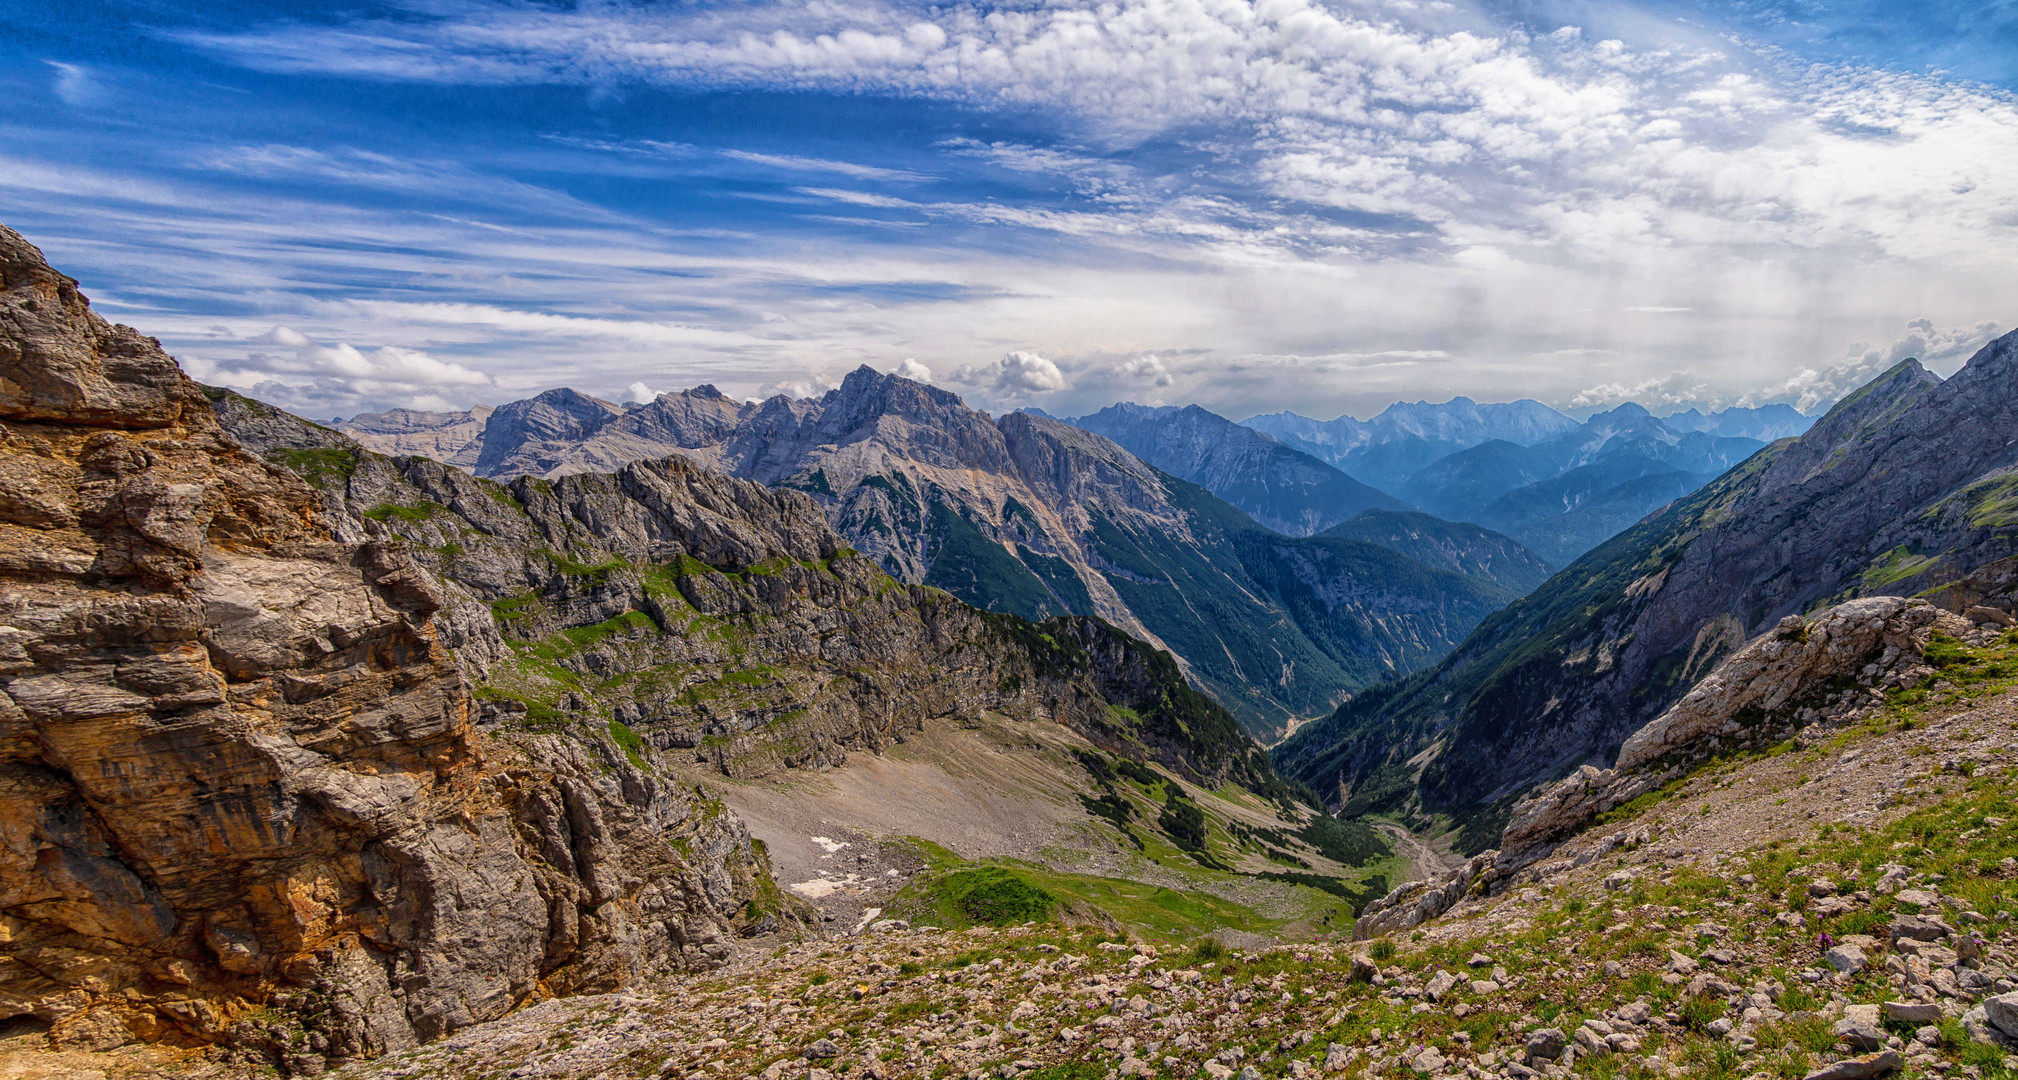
<point x="1034" y="517"/>
<point x="1899" y="490"/>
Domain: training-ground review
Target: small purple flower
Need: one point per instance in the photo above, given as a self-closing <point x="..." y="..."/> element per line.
<point x="1825" y="942"/>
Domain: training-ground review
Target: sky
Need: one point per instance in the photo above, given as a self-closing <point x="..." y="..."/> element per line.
<point x="1316" y="206"/>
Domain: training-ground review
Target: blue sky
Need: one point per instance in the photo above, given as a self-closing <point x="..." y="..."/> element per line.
<point x="1261" y="205"/>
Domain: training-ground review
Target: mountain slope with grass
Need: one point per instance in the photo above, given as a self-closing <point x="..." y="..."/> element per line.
<point x="1033" y="517"/>
<point x="1894" y="492"/>
<point x="1839" y="907"/>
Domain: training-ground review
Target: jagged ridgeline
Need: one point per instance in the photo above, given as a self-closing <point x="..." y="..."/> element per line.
<point x="714" y="617"/>
<point x="1903" y="489"/>
<point x="1026" y="515"/>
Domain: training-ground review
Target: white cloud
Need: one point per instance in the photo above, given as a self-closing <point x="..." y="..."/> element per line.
<point x="341" y="376"/>
<point x="639" y="392"/>
<point x="805" y="387"/>
<point x="77" y="86"/>
<point x="1941" y="349"/>
<point x="794" y="163"/>
<point x="1149" y="369"/>
<point x="1017" y="373"/>
<point x="912" y="370"/>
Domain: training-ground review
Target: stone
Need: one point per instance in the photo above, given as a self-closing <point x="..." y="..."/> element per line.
<point x="1919" y="898"/>
<point x="1912" y="1012"/>
<point x="1546" y="1044"/>
<point x="1859" y="1036"/>
<point x="2002" y="1012"/>
<point x="1679" y="964"/>
<point x="1860" y="1068"/>
<point x="1440" y="985"/>
<point x="822" y="1050"/>
<point x="1918" y="928"/>
<point x="1847" y="959"/>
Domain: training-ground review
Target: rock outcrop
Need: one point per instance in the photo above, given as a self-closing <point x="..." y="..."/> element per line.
<point x="243" y="799"/>
<point x="1805" y="676"/>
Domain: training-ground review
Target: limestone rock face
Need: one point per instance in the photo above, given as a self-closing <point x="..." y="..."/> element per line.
<point x="1764" y="692"/>
<point x="452" y="437"/>
<point x="237" y="765"/>
<point x="1803" y="672"/>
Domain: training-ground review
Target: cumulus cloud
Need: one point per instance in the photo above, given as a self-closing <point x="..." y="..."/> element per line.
<point x="912" y="370"/>
<point x="1017" y="373"/>
<point x="639" y="393"/>
<point x="1675" y="388"/>
<point x="290" y="369"/>
<point x="804" y="387"/>
<point x="1148" y="369"/>
<point x="1938" y="348"/>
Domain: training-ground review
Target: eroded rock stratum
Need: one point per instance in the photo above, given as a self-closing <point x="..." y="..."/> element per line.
<point x="237" y="765"/>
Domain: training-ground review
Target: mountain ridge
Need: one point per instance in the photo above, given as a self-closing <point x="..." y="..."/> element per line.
<point x="1899" y="489"/>
<point x="1036" y="517"/>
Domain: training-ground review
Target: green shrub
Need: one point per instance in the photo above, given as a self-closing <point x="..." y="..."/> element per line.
<point x="996" y="897"/>
<point x="1382" y="950"/>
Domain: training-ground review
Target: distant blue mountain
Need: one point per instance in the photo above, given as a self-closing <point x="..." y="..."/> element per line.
<point x="1558" y="486"/>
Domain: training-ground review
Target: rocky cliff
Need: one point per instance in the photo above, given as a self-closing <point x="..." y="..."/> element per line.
<point x="244" y="797"/>
<point x="1807" y="678"/>
<point x="1903" y="488"/>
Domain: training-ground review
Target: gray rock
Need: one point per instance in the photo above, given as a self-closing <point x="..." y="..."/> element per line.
<point x="1546" y="1044"/>
<point x="1913" y="1012"/>
<point x="1919" y="928"/>
<point x="1860" y="1068"/>
<point x="822" y="1050"/>
<point x="1848" y="959"/>
<point x="1859" y="1036"/>
<point x="2002" y="1012"/>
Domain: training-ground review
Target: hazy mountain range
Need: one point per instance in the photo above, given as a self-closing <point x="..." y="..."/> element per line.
<point x="1036" y="517"/>
<point x="1225" y="542"/>
<point x="1904" y="488"/>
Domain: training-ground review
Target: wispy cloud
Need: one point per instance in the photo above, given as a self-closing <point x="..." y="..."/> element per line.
<point x="1254" y="205"/>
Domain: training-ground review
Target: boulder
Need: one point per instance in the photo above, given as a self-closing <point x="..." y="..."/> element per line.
<point x="1859" y="1036"/>
<point x="1913" y="1012"/>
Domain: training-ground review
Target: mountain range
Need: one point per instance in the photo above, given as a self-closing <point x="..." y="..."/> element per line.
<point x="1557" y="485"/>
<point x="1035" y="517"/>
<point x="1904" y="488"/>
